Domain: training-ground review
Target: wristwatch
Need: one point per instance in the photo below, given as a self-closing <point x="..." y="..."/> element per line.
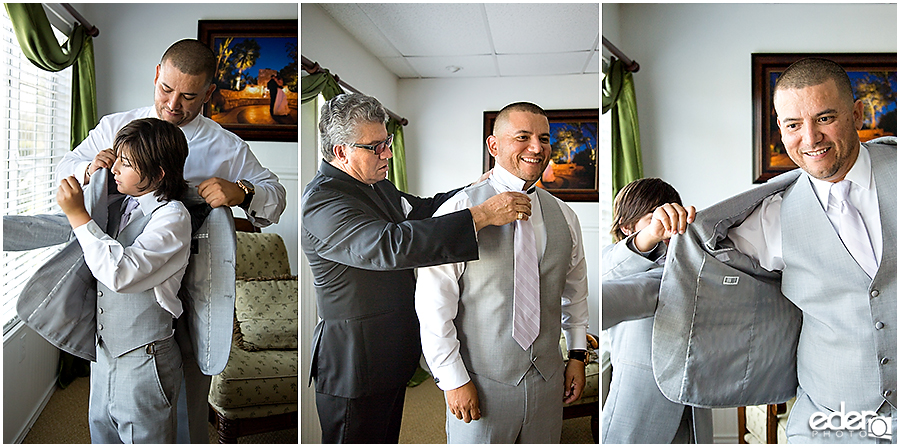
<point x="249" y="190"/>
<point x="578" y="354"/>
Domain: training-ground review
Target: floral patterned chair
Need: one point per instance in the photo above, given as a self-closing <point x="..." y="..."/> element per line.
<point x="257" y="391"/>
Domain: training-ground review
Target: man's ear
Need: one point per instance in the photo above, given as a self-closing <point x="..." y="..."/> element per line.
<point x="626" y="231"/>
<point x="492" y="145"/>
<point x="339" y="151"/>
<point x="209" y="92"/>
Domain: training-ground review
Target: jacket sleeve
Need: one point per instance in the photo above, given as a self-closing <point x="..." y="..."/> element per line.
<point x="630" y="298"/>
<point x="344" y="231"/>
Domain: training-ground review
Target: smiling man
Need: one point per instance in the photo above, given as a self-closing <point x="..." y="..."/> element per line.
<point x="219" y="165"/>
<point x="790" y="289"/>
<point x="490" y="327"/>
<point x="363" y="238"/>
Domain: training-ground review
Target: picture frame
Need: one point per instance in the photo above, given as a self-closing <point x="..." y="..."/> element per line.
<point x="256" y="58"/>
<point x="877" y="72"/>
<point x="572" y="174"/>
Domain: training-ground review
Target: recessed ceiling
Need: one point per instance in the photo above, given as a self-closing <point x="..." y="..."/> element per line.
<point x="439" y="40"/>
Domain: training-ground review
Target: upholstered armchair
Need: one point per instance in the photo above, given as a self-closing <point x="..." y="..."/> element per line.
<point x="589" y="403"/>
<point x="257" y="391"/>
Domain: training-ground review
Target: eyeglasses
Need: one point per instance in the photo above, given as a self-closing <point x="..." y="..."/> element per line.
<point x="377" y="148"/>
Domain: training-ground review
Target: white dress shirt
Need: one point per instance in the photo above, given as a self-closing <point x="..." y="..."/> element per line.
<point x="156" y="260"/>
<point x="213" y="152"/>
<point x="437" y="289"/>
<point x="760" y="234"/>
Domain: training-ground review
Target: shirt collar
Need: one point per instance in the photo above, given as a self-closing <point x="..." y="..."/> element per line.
<point x="503" y="180"/>
<point x="149" y="202"/>
<point x="190" y="129"/>
<point x="860" y="175"/>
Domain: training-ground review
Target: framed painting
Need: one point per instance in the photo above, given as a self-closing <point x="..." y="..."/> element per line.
<point x="256" y="94"/>
<point x="572" y="172"/>
<point x="874" y="80"/>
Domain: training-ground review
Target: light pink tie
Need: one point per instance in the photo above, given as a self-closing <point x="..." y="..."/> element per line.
<point x="527" y="303"/>
<point x="853" y="230"/>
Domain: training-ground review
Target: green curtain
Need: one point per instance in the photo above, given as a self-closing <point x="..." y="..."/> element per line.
<point x="397" y="167"/>
<point x="323" y="82"/>
<point x="619" y="98"/>
<point x="38" y="43"/>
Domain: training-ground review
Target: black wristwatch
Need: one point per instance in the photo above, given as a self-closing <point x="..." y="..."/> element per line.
<point x="578" y="354"/>
<point x="249" y="190"/>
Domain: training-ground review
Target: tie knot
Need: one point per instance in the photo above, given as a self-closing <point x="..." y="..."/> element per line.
<point x="841" y="190"/>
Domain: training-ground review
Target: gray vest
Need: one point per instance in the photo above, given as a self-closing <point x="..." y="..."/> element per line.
<point x="847" y="350"/>
<point x="485" y="317"/>
<point x="126" y="321"/>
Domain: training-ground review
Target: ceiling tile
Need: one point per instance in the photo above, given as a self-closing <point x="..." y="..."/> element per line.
<point x="470" y="66"/>
<point x="358" y="24"/>
<point x="431" y="29"/>
<point x="541" y="64"/>
<point x="518" y="28"/>
<point x="400" y="66"/>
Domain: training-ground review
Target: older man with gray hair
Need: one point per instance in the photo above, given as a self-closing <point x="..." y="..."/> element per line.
<point x="363" y="238"/>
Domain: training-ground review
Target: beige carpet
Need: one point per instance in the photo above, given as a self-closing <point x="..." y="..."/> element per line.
<point x="424" y="419"/>
<point x="64" y="421"/>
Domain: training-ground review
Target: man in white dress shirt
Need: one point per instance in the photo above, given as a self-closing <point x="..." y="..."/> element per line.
<point x="219" y="165"/>
<point x="499" y="389"/>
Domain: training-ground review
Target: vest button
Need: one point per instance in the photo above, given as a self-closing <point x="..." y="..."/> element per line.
<point x="884" y="361"/>
<point x="100" y="326"/>
<point x="100" y="310"/>
<point x="879" y="325"/>
<point x="99" y="293"/>
<point x="886" y="393"/>
<point x="874" y="293"/>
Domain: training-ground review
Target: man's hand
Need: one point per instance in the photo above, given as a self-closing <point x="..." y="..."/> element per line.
<point x="574" y="384"/>
<point x="220" y="192"/>
<point x="667" y="220"/>
<point x="104" y="159"/>
<point x="463" y="402"/>
<point x="501" y="209"/>
<point x="71" y="199"/>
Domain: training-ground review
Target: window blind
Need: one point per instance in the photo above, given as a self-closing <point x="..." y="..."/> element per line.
<point x="35" y="125"/>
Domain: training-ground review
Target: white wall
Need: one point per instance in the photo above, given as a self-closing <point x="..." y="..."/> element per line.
<point x="693" y="88"/>
<point x="445" y="141"/>
<point x="132" y="39"/>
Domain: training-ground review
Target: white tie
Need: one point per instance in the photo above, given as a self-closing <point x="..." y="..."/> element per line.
<point x="130" y="204"/>
<point x="527" y="304"/>
<point x="853" y="230"/>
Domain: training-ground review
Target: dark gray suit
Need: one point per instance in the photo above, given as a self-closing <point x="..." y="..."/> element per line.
<point x="362" y="248"/>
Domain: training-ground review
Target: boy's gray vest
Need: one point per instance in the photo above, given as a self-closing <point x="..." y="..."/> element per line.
<point x="59" y="301"/>
<point x="849" y="332"/>
<point x="485" y="317"/>
<point x="126" y="321"/>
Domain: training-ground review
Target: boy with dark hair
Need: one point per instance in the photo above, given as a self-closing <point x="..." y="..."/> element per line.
<point x="138" y="261"/>
<point x="646" y="213"/>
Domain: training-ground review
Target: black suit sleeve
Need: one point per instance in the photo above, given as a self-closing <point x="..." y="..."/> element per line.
<point x="344" y="229"/>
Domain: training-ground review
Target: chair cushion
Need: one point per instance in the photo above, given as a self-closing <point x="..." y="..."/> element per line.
<point x="261" y="255"/>
<point x="256" y="378"/>
<point x="266" y="313"/>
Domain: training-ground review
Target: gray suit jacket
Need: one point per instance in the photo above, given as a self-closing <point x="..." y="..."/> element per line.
<point x="724" y="334"/>
<point x="60" y="300"/>
<point x="635" y="410"/>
